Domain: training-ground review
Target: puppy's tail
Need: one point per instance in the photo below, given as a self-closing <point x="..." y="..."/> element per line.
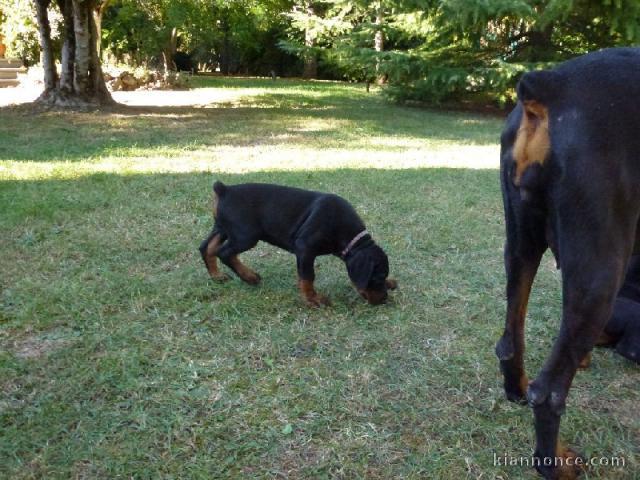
<point x="220" y="188"/>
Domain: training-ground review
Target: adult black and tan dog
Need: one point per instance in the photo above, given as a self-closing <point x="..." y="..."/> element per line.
<point x="302" y="222"/>
<point x="570" y="175"/>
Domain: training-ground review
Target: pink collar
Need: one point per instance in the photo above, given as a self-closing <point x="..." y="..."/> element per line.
<point x="353" y="242"/>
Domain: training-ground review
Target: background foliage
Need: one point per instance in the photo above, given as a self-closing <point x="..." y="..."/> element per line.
<point x="19" y="28"/>
<point x="434" y="50"/>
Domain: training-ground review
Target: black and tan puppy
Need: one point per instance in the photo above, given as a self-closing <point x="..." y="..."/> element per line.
<point x="305" y="223"/>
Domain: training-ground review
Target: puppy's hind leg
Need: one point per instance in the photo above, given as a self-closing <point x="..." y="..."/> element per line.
<point x="209" y="251"/>
<point x="228" y="254"/>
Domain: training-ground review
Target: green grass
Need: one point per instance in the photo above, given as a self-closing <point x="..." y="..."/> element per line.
<point x="119" y="358"/>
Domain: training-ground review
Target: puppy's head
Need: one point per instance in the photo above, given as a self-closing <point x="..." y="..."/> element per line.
<point x="368" y="269"/>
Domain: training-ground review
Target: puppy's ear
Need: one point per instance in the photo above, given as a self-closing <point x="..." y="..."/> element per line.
<point x="360" y="268"/>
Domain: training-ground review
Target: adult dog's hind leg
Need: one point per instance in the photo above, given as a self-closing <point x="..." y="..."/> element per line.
<point x="525" y="244"/>
<point x="588" y="296"/>
<point x="591" y="277"/>
<point x="521" y="270"/>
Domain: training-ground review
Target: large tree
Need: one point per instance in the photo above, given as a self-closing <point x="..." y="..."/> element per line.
<point x="80" y="81"/>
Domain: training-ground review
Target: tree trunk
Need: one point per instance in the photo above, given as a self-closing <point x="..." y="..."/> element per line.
<point x="68" y="47"/>
<point x="169" y="53"/>
<point x="81" y="81"/>
<point x="310" y="59"/>
<point x="225" y="54"/>
<point x="81" y="16"/>
<point x="99" y="88"/>
<point x="98" y="13"/>
<point x="379" y="43"/>
<point x="46" y="47"/>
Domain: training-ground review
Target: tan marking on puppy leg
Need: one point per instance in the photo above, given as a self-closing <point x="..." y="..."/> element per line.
<point x="244" y="272"/>
<point x="532" y="143"/>
<point x="310" y="295"/>
<point x="391" y="283"/>
<point x="212" y="260"/>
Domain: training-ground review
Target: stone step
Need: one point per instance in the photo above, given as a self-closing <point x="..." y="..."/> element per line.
<point x="8" y="83"/>
<point x="9" y="73"/>
<point x="10" y="63"/>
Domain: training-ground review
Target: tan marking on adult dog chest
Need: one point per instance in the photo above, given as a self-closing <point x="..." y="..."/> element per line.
<point x="532" y="140"/>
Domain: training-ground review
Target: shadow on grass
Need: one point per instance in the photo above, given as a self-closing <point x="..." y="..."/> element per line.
<point x="332" y="118"/>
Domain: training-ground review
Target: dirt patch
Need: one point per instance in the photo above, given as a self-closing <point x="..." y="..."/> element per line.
<point x="298" y="460"/>
<point x="85" y="469"/>
<point x="8" y="393"/>
<point x="625" y="410"/>
<point x="37" y="346"/>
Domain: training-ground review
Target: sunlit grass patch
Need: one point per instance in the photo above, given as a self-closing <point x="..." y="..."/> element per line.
<point x="284" y="125"/>
<point x="243" y="159"/>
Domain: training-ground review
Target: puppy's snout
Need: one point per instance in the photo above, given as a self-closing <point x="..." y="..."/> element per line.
<point x="374" y="297"/>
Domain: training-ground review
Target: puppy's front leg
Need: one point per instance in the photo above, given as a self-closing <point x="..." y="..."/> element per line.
<point x="306" y="276"/>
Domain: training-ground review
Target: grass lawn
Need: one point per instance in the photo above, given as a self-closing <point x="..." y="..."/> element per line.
<point x="120" y="359"/>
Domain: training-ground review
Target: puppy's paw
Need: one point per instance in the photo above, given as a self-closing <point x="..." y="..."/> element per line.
<point x="220" y="277"/>
<point x="318" y="300"/>
<point x="391" y="283"/>
<point x="252" y="278"/>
